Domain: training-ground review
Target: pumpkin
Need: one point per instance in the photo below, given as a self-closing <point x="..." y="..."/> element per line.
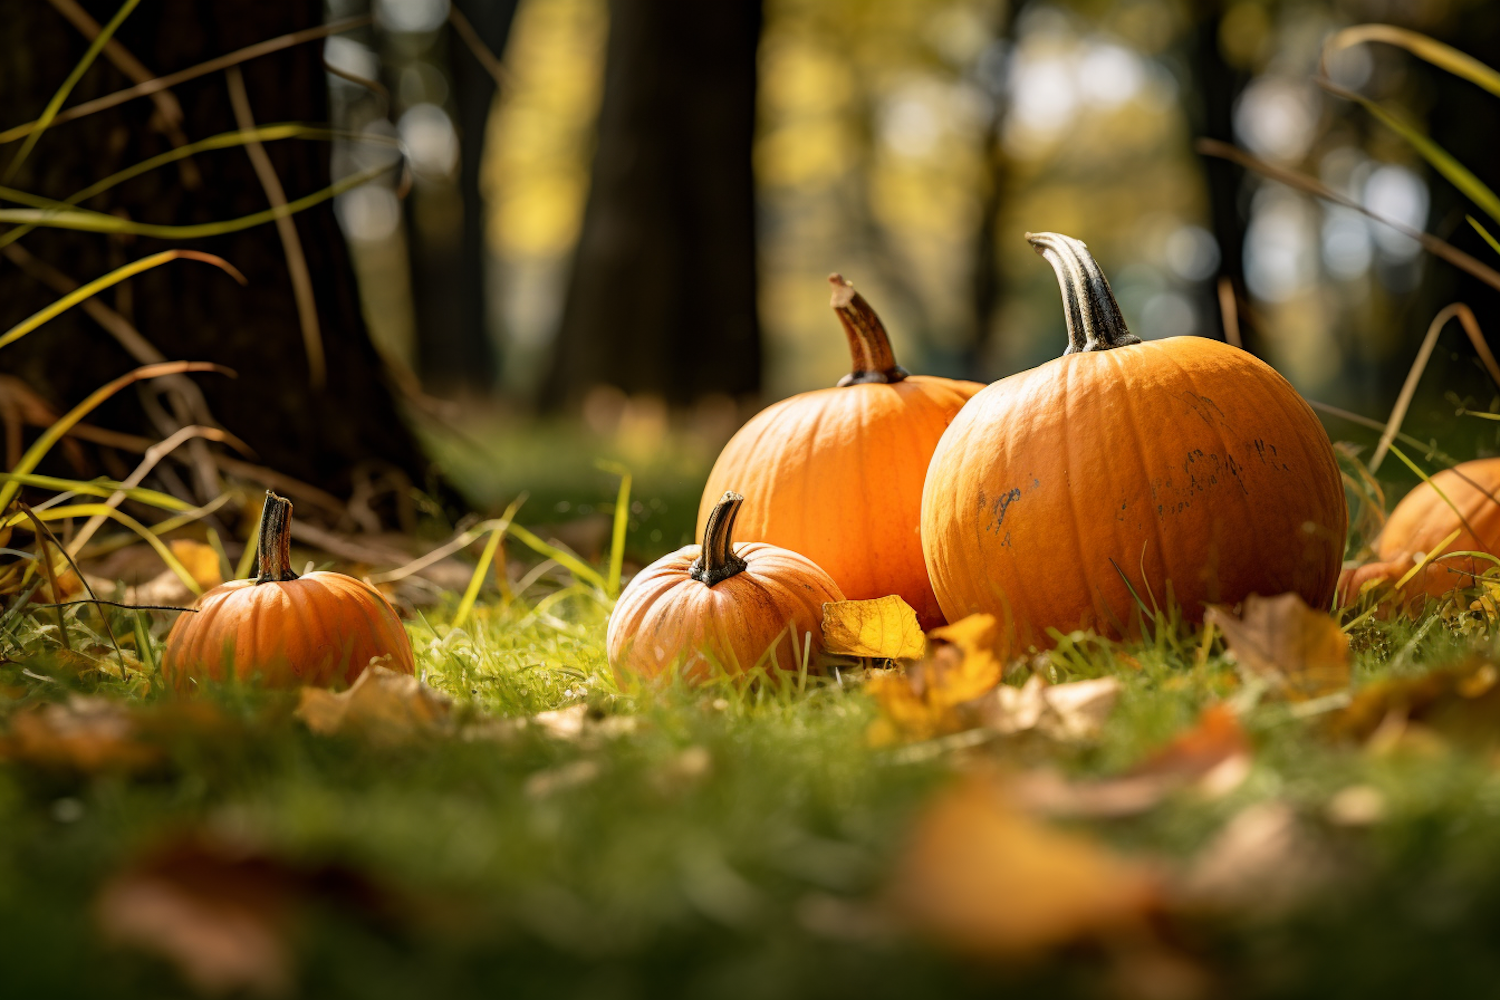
<point x="836" y="474"/>
<point x="1126" y="477"/>
<point x="320" y="629"/>
<point x="718" y="606"/>
<point x="1421" y="522"/>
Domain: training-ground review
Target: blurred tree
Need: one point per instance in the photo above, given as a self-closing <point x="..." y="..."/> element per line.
<point x="1210" y="108"/>
<point x="445" y="213"/>
<point x="317" y="433"/>
<point x="662" y="299"/>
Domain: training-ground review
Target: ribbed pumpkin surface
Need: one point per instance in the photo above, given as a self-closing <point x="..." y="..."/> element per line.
<point x="320" y="629"/>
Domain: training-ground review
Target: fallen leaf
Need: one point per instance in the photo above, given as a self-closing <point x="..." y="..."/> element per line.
<point x="83" y="734"/>
<point x="921" y="702"/>
<point x="884" y="628"/>
<point x="1284" y="642"/>
<point x="200" y="560"/>
<point x="381" y="705"/>
<point x="1458" y="704"/>
<point x="981" y="877"/>
<point x="557" y="779"/>
<point x="222" y="913"/>
<point x="1213" y="758"/>
<point x="1264" y="860"/>
<point x="1071" y="711"/>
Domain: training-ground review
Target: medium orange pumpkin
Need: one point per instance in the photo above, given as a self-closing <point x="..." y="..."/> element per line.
<point x="319" y="629"/>
<point x="721" y="606"/>
<point x="1129" y="473"/>
<point x="1421" y="522"/>
<point x="836" y="474"/>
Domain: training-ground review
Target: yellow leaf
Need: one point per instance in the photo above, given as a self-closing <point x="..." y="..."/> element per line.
<point x="1283" y="641"/>
<point x="885" y="628"/>
<point x="923" y="701"/>
<point x="382" y="705"/>
<point x="200" y="560"/>
<point x="982" y="878"/>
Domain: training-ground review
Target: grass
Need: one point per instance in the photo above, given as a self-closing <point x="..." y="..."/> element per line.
<point x="725" y="841"/>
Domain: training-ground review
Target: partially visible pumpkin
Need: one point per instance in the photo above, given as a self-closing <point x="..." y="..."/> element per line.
<point x="836" y="474"/>
<point x="716" y="606"/>
<point x="1128" y="475"/>
<point x="284" y="630"/>
<point x="1420" y="523"/>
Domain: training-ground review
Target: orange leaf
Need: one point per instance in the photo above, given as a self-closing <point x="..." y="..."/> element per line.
<point x="982" y="878"/>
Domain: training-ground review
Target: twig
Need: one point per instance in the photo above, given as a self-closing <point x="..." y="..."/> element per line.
<point x="1229" y="308"/>
<point x="109" y="629"/>
<point x="42" y="534"/>
<point x="487" y="58"/>
<point x="1291" y="178"/>
<point x="286" y="227"/>
<point x="117" y="604"/>
<point x="192" y="73"/>
<point x="1418" y="366"/>
<point x="154" y="454"/>
<point x="166" y="102"/>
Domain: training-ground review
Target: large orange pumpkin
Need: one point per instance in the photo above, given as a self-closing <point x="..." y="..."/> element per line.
<point x="319" y="629"/>
<point x="1128" y="474"/>
<point x="836" y="474"/>
<point x="718" y="606"/>
<point x="1421" y="522"/>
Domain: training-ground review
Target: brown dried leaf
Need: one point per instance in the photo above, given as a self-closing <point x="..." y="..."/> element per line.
<point x="884" y="628"/>
<point x="382" y="705"/>
<point x="1264" y="860"/>
<point x="1072" y="711"/>
<point x="1281" y="640"/>
<point x="1460" y="704"/>
<point x="82" y="734"/>
<point x="982" y="878"/>
<point x="223" y="913"/>
<point x="1213" y="757"/>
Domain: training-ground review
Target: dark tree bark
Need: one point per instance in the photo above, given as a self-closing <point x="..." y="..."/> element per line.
<point x="187" y="310"/>
<point x="662" y="296"/>
<point x="1210" y="105"/>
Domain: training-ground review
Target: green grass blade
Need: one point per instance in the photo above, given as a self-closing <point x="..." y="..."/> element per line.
<point x="53" y="434"/>
<point x="1494" y="244"/>
<point x="622" y="524"/>
<point x="1444" y="57"/>
<point x="1435" y="488"/>
<point x="477" y="580"/>
<point x="53" y="216"/>
<point x="93" y="509"/>
<point x="114" y="277"/>
<point x="227" y="140"/>
<point x="98" y="488"/>
<point x="576" y="566"/>
<point x="1441" y="160"/>
<point x="55" y="105"/>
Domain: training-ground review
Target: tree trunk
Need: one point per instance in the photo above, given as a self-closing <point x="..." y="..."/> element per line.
<point x="187" y="310"/>
<point x="662" y="295"/>
<point x="446" y="217"/>
<point x="1210" y="108"/>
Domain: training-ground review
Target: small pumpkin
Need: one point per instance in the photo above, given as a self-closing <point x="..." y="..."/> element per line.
<point x="716" y="605"/>
<point x="1421" y="522"/>
<point x="1129" y="473"/>
<point x="836" y="474"/>
<point x="320" y="629"/>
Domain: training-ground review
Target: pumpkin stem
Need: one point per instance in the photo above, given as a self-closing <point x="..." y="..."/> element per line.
<point x="275" y="551"/>
<point x="1094" y="320"/>
<point x="868" y="344"/>
<point x="718" y="562"/>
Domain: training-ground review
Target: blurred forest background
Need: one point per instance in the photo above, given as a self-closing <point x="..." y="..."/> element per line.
<point x="624" y="212"/>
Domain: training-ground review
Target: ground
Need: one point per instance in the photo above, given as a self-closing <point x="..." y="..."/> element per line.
<point x="735" y="840"/>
